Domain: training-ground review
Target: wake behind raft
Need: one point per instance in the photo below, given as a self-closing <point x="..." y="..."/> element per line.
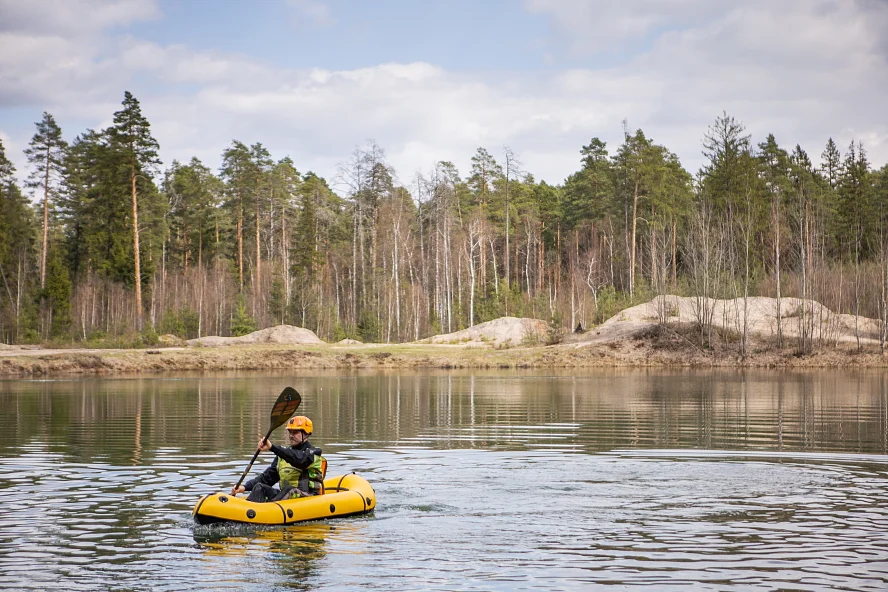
<point x="345" y="495"/>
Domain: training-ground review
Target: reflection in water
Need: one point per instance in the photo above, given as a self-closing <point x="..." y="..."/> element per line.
<point x="294" y="551"/>
<point x="710" y="410"/>
<point x="492" y="481"/>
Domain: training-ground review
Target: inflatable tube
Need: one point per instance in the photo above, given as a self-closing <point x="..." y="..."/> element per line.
<point x="345" y="495"/>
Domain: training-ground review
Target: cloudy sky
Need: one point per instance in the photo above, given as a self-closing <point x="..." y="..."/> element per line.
<point x="434" y="80"/>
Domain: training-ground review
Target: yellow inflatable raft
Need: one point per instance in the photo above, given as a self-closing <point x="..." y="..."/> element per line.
<point x="345" y="495"/>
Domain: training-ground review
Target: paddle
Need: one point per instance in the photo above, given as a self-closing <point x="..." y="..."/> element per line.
<point x="285" y="406"/>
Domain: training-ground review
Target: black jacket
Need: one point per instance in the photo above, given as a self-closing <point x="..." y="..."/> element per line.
<point x="300" y="456"/>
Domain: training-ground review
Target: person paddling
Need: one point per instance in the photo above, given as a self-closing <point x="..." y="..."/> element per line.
<point x="300" y="468"/>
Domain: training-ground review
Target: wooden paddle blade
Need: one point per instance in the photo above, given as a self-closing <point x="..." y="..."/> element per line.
<point x="285" y="406"/>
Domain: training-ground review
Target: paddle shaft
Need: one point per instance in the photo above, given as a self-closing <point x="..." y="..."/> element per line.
<point x="252" y="460"/>
<point x="284" y="407"/>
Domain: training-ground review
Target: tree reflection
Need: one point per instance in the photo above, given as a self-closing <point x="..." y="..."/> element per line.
<point x="136" y="422"/>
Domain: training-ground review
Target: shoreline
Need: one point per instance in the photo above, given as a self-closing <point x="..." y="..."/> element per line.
<point x="638" y="353"/>
<point x="637" y="337"/>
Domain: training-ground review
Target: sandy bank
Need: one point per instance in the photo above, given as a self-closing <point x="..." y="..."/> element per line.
<point x="634" y="337"/>
<point x="659" y="348"/>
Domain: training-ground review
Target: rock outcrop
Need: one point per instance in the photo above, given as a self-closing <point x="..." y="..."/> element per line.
<point x="282" y="334"/>
<point x="501" y="332"/>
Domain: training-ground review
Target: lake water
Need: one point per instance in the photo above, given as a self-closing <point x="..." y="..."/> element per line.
<point x="485" y="481"/>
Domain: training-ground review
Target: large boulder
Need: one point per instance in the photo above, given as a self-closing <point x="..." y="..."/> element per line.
<point x="501" y="332"/>
<point x="759" y="312"/>
<point x="283" y="334"/>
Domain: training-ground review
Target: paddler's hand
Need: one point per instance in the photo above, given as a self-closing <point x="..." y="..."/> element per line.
<point x="238" y="489"/>
<point x="264" y="445"/>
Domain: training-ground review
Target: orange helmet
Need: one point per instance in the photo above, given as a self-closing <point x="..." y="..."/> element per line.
<point x="300" y="422"/>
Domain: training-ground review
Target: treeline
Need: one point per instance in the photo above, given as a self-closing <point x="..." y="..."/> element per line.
<point x="110" y="245"/>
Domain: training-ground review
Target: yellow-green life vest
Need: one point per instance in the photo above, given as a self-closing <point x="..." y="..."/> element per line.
<point x="310" y="480"/>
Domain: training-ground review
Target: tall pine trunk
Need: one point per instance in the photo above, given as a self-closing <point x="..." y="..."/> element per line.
<point x="138" y="272"/>
<point x="257" y="288"/>
<point x="632" y="244"/>
<point x="45" y="221"/>
<point x="240" y="235"/>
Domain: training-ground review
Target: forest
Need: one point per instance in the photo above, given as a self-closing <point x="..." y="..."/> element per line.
<point x="101" y="245"/>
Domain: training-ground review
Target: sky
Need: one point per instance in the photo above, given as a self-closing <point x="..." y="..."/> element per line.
<point x="435" y="80"/>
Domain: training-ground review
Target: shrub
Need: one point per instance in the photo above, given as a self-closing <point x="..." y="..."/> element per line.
<point x="555" y="331"/>
<point x="368" y="327"/>
<point x="241" y="322"/>
<point x="149" y="336"/>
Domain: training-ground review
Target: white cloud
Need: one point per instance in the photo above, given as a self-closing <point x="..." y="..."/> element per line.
<point x="802" y="70"/>
<point x="74" y="17"/>
<point x="605" y="26"/>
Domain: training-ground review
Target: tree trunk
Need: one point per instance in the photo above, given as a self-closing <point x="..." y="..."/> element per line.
<point x="285" y="263"/>
<point x="257" y="286"/>
<point x="354" y="274"/>
<point x="777" y="272"/>
<point x="185" y="242"/>
<point x="240" y="235"/>
<point x="507" y="235"/>
<point x="396" y="273"/>
<point x="45" y="222"/>
<point x="493" y="261"/>
<point x="632" y="245"/>
<point x="138" y="273"/>
<point x="655" y="279"/>
<point x="674" y="251"/>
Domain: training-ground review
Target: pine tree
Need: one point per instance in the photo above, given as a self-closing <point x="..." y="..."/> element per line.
<point x="192" y="191"/>
<point x="58" y="294"/>
<point x="831" y="165"/>
<point x="856" y="211"/>
<point x="483" y="177"/>
<point x="241" y="321"/>
<point x="91" y="209"/>
<point x="262" y="164"/>
<point x="774" y="171"/>
<point x="131" y="137"/>
<point x="639" y="164"/>
<point x="237" y="171"/>
<point x="45" y="155"/>
<point x="17" y="239"/>
<point x="285" y="186"/>
<point x="587" y="193"/>
<point x="725" y="148"/>
<point x="305" y="257"/>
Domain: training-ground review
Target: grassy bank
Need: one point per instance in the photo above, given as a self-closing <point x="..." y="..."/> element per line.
<point x="648" y="351"/>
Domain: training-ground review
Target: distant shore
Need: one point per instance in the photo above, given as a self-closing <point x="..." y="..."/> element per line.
<point x="636" y="337"/>
<point x="649" y="351"/>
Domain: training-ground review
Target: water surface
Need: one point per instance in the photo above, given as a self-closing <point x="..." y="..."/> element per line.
<point x="485" y="481"/>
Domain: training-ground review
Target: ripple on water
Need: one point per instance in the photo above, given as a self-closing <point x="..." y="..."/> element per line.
<point x="496" y="489"/>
